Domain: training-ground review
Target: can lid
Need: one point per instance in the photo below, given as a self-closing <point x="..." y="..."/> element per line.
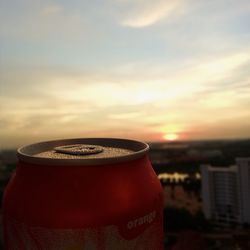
<point x="82" y="151"/>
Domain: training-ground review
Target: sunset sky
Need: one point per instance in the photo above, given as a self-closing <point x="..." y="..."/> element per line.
<point x="143" y="69"/>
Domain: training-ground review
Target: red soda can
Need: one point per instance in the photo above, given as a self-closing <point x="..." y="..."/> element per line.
<point x="83" y="194"/>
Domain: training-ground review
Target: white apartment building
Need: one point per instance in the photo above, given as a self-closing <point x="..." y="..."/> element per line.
<point x="226" y="192"/>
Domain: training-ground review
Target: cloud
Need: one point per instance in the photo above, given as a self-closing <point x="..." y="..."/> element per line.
<point x="142" y="13"/>
<point x="203" y="93"/>
<point x="126" y="116"/>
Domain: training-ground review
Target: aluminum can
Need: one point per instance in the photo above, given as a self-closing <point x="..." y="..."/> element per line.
<point x="83" y="194"/>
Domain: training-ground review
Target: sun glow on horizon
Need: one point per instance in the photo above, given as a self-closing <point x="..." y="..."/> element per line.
<point x="171" y="137"/>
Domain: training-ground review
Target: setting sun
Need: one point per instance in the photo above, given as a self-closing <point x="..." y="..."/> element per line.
<point x="170" y="137"/>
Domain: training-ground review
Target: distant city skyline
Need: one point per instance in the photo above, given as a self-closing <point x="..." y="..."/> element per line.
<point x="142" y="69"/>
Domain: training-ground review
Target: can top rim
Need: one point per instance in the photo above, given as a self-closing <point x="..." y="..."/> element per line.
<point x="28" y="153"/>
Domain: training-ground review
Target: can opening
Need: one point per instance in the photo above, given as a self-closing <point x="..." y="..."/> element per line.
<point x="79" y="149"/>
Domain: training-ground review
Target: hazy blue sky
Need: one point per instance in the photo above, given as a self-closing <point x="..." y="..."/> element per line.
<point x="144" y="69"/>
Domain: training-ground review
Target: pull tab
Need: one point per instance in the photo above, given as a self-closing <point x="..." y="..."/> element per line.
<point x="79" y="149"/>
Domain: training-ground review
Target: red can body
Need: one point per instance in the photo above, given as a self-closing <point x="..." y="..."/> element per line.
<point x="109" y="206"/>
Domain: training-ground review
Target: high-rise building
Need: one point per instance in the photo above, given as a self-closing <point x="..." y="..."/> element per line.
<point x="226" y="193"/>
<point x="244" y="180"/>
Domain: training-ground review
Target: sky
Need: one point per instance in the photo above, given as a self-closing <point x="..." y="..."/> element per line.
<point x="141" y="69"/>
